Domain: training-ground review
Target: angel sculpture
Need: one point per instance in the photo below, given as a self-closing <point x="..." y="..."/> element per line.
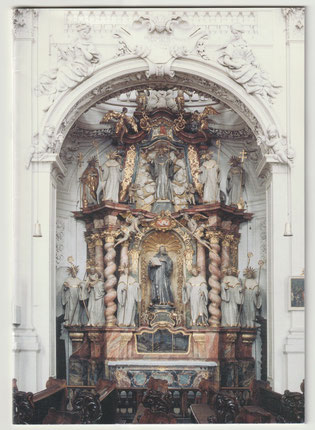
<point x="196" y="231"/>
<point x="123" y="121"/>
<point x="202" y="118"/>
<point x="90" y="181"/>
<point x="129" y="230"/>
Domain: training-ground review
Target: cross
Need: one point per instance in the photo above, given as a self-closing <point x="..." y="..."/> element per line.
<point x="95" y="144"/>
<point x="80" y="159"/>
<point x="243" y="155"/>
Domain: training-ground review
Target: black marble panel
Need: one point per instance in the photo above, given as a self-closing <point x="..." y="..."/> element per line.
<point x="162" y="341"/>
<point x="85" y="372"/>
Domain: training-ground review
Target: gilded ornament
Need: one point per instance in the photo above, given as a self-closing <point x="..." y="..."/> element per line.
<point x="128" y="171"/>
<point x="179" y="123"/>
<point x="123" y="122"/>
<point x="195" y="168"/>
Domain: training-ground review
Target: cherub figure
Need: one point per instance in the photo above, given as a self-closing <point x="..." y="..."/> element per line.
<point x="123" y="122"/>
<point x="129" y="230"/>
<point x="190" y="194"/>
<point x="133" y="193"/>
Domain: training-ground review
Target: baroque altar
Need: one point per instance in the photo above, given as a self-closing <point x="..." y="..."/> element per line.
<point x="161" y="295"/>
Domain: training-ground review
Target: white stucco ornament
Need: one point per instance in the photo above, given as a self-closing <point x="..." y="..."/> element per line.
<point x="275" y="145"/>
<point x="159" y="40"/>
<point x="76" y="61"/>
<point x="242" y="66"/>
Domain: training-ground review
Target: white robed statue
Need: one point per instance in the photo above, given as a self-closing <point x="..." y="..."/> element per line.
<point x="162" y="171"/>
<point x="70" y="296"/>
<point x="232" y="298"/>
<point x="196" y="292"/>
<point x="235" y="181"/>
<point x="96" y="306"/>
<point x="128" y="295"/>
<point x="111" y="178"/>
<point x="210" y="177"/>
<point x="252" y="298"/>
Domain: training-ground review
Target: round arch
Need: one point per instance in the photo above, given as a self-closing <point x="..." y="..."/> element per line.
<point x="128" y="73"/>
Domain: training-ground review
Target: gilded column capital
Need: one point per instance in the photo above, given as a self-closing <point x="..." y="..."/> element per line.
<point x="214" y="236"/>
<point x="227" y="240"/>
<point x="110" y="235"/>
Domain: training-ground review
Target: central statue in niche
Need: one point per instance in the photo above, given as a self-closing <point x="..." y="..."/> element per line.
<point x="160" y="272"/>
<point x="162" y="171"/>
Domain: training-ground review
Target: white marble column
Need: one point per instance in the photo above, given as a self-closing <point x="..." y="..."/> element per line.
<point x="278" y="269"/>
<point x="44" y="263"/>
<point x="294" y="343"/>
<point x="26" y="343"/>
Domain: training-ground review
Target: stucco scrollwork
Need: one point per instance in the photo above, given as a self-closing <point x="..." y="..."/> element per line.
<point x="60" y="233"/>
<point x="75" y="62"/>
<point x="159" y="39"/>
<point x="242" y="66"/>
<point x="294" y="17"/>
<point x="23" y="22"/>
<point x="45" y="143"/>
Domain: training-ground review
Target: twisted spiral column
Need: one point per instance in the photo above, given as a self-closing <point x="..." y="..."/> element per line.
<point x="110" y="279"/>
<point x="214" y="279"/>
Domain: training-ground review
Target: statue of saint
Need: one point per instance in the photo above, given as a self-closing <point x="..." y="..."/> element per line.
<point x="210" y="177"/>
<point x="196" y="292"/>
<point x="70" y="297"/>
<point x="235" y="181"/>
<point x="232" y="297"/>
<point x="112" y="176"/>
<point x="90" y="181"/>
<point x="96" y="306"/>
<point x="128" y="295"/>
<point x="162" y="171"/>
<point x="160" y="271"/>
<point x="252" y="298"/>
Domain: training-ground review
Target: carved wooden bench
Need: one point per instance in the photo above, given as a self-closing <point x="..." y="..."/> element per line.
<point x="49" y="406"/>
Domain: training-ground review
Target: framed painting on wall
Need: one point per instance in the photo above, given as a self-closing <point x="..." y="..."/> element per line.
<point x="296" y="293"/>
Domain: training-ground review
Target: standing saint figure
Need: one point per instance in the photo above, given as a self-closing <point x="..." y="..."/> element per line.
<point x="90" y="181"/>
<point x="235" y="181"/>
<point x="196" y="292"/>
<point x="160" y="271"/>
<point x="96" y="306"/>
<point x="162" y="171"/>
<point x="210" y="177"/>
<point x="70" y="297"/>
<point x="128" y="295"/>
<point x="112" y="176"/>
<point x="252" y="298"/>
<point x="232" y="297"/>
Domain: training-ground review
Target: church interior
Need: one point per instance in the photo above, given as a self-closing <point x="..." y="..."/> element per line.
<point x="161" y="273"/>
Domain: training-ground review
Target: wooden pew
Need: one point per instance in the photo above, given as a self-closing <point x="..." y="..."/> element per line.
<point x="29" y="408"/>
<point x="267" y="406"/>
<point x="49" y="406"/>
<point x="215" y="407"/>
<point x="156" y="406"/>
